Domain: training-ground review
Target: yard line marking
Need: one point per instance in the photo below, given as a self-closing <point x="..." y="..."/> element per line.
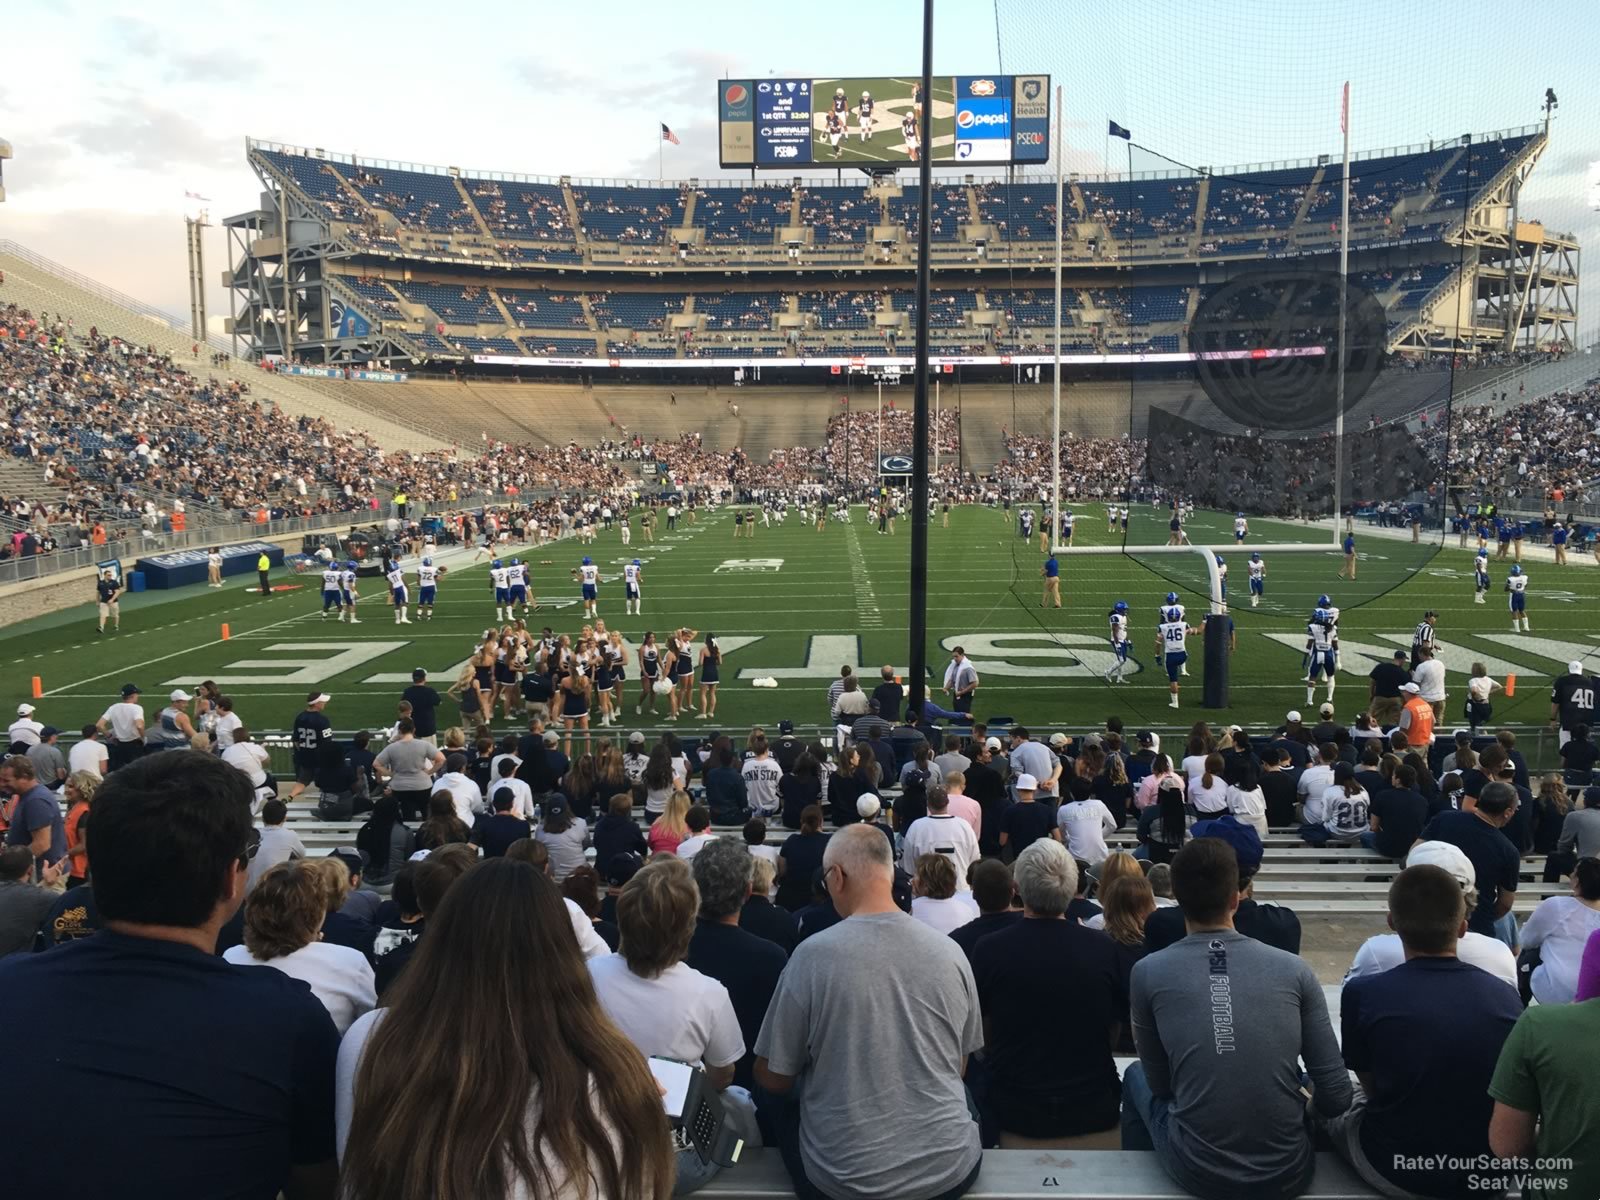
<point x="867" y="611"/>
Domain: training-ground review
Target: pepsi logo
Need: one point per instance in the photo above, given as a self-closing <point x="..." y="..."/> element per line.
<point x="964" y="119"/>
<point x="736" y="94"/>
<point x="982" y="87"/>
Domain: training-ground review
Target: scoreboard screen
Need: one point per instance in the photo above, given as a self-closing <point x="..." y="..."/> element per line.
<point x="968" y="119"/>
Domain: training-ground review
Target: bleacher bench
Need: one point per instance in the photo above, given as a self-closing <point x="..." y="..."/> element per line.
<point x="1018" y="1174"/>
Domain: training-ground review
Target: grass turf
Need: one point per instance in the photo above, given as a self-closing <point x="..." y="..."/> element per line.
<point x="795" y="604"/>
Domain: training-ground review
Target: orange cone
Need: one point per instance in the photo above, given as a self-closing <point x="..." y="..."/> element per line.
<point x="225" y="634"/>
<point x="1511" y="686"/>
<point x="38" y="688"/>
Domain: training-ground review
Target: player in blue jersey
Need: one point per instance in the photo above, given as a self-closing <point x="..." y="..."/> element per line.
<point x="517" y="586"/>
<point x="500" y="581"/>
<point x="1173" y="649"/>
<point x="632" y="578"/>
<point x="395" y="574"/>
<point x="588" y="576"/>
<point x="1258" y="579"/>
<point x="1480" y="576"/>
<point x="427" y="587"/>
<point x="1051" y="573"/>
<point x="1348" y="571"/>
<point x="332" y="577"/>
<point x="347" y="592"/>
<point x="1517" y="586"/>
<point x="1118" y="620"/>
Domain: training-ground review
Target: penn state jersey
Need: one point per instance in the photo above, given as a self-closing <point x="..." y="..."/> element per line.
<point x="908" y="126"/>
<point x="1174" y="637"/>
<point x="840" y="106"/>
<point x="1066" y="521"/>
<point x="866" y="108"/>
<point x="331" y="579"/>
<point x="589" y="574"/>
<point x="835" y="125"/>
<point x="499" y="576"/>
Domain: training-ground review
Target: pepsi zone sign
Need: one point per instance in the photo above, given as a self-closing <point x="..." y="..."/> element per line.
<point x="983" y="119"/>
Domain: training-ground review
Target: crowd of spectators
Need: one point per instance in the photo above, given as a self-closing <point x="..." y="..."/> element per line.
<point x="1529" y="449"/>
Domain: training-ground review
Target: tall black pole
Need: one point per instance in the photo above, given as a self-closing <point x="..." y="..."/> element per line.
<point x="917" y="606"/>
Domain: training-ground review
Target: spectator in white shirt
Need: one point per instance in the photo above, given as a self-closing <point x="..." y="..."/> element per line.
<point x="1428" y="675"/>
<point x="1559" y="929"/>
<point x="228" y="723"/>
<point x="1208" y="792"/>
<point x="1317" y="779"/>
<point x="88" y="755"/>
<point x="761" y="775"/>
<point x="521" y="792"/>
<point x="935" y="900"/>
<point x="698" y="819"/>
<point x="24" y="730"/>
<point x="1085" y="821"/>
<point x="468" y="796"/>
<point x="665" y="1007"/>
<point x="242" y="754"/>
<point x="283" y="930"/>
<point x="941" y="832"/>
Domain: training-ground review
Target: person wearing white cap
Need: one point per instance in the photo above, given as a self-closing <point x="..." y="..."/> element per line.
<point x="1026" y="821"/>
<point x="1572" y="700"/>
<point x="311" y="736"/>
<point x="24" y="730"/>
<point x="172" y="729"/>
<point x="1416" y="717"/>
<point x="1385" y="950"/>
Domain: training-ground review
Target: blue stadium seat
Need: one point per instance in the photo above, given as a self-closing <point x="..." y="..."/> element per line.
<point x="750" y="214"/>
<point x="636" y="310"/>
<point x="838" y="214"/>
<point x="629" y="214"/>
<point x="544" y="310"/>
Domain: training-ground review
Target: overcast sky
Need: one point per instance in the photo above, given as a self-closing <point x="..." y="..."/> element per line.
<point x="114" y="111"/>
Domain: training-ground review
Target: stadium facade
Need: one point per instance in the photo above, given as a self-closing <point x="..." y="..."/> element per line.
<point x="374" y="264"/>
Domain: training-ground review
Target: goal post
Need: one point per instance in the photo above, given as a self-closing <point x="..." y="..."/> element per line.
<point x="1206" y="552"/>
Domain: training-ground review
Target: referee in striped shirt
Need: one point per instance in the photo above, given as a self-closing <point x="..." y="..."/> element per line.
<point x="1423" y="637"/>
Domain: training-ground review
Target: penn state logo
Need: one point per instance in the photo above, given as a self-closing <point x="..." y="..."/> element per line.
<point x="1031" y="88"/>
<point x="896" y="464"/>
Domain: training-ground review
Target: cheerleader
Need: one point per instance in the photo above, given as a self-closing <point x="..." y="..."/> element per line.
<point x="710" y="674"/>
<point x="683" y="668"/>
<point x="649" y="673"/>
<point x="483" y="666"/>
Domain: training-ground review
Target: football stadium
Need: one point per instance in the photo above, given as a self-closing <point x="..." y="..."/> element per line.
<point x="972" y="547"/>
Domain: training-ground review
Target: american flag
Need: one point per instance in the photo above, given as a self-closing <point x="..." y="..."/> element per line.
<point x="196" y="196"/>
<point x="668" y="136"/>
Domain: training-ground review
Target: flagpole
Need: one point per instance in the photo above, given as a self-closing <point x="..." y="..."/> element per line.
<point x="1055" y="383"/>
<point x="661" y="149"/>
<point x="1344" y="283"/>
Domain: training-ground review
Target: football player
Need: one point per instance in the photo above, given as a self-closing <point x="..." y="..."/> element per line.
<point x="1171" y="605"/>
<point x="1222" y="579"/>
<point x="632" y="576"/>
<point x="1241" y="528"/>
<point x="517" y="586"/>
<point x="332" y="577"/>
<point x="864" y="116"/>
<point x="1517" y="586"/>
<point x="836" y="132"/>
<point x="500" y="580"/>
<point x="1119" y="641"/>
<point x="1480" y="575"/>
<point x="396" y="575"/>
<point x="588" y="575"/>
<point x="1170" y="644"/>
<point x="908" y="130"/>
<point x="1258" y="579"/>
<point x="1322" y="649"/>
<point x="347" y="592"/>
<point x="427" y="586"/>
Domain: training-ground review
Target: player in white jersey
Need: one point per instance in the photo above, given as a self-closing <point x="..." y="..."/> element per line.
<point x="1258" y="579"/>
<point x="625" y="523"/>
<point x="347" y="592"/>
<point x="1517" y="587"/>
<point x="1025" y="524"/>
<point x="517" y="586"/>
<point x="864" y="112"/>
<point x="500" y="581"/>
<point x="332" y="577"/>
<point x="427" y="587"/>
<point x="1322" y="655"/>
<point x="395" y="574"/>
<point x="1111" y="518"/>
<point x="1241" y="528"/>
<point x="1171" y="605"/>
<point x="1480" y="576"/>
<point x="908" y="130"/>
<point x="1172" y="646"/>
<point x="588" y="575"/>
<point x="1068" y="526"/>
<point x="632" y="577"/>
<point x="1119" y="642"/>
<point x="1222" y="579"/>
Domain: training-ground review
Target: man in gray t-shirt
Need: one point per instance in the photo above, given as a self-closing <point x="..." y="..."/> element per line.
<point x="1222" y="1023"/>
<point x="878" y="1015"/>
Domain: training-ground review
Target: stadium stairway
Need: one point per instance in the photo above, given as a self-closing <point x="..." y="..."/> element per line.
<point x="37" y="284"/>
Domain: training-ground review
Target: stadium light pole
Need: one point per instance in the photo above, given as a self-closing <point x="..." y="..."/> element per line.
<point x="917" y="608"/>
<point x="1055" y="383"/>
<point x="1344" y="285"/>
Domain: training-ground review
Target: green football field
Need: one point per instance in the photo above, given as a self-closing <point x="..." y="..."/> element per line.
<point x="891" y="97"/>
<point x="792" y="604"/>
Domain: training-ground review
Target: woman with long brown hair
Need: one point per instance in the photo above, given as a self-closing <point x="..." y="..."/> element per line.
<point x="528" y="1090"/>
<point x="443" y="827"/>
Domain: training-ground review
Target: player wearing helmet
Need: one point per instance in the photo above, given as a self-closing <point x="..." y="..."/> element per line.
<point x="1172" y="603"/>
<point x="1222" y="579"/>
<point x="1241" y="528"/>
<point x="632" y="576"/>
<point x="1480" y="575"/>
<point x="1171" y="645"/>
<point x="1258" y="579"/>
<point x="1517" y="586"/>
<point x="588" y="575"/>
<point x="500" y="581"/>
<point x="347" y="593"/>
<point x="864" y="116"/>
<point x="394" y="574"/>
<point x="1118" y="619"/>
<point x="517" y="584"/>
<point x="427" y="587"/>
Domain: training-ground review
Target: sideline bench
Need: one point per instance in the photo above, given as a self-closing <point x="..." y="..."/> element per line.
<point x="1061" y="1174"/>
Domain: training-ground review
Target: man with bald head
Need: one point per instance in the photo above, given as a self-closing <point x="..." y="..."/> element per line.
<point x="879" y="1014"/>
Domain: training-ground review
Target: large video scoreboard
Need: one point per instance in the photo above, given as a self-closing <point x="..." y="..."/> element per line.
<point x="968" y="119"/>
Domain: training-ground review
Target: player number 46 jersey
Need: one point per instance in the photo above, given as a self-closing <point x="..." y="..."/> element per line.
<point x="1174" y="636"/>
